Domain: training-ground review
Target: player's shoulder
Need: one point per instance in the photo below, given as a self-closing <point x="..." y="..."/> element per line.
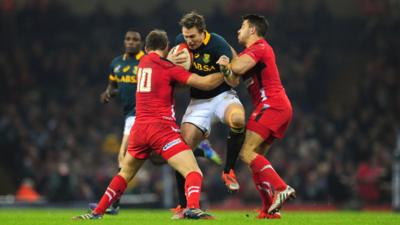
<point x="262" y="43"/>
<point x="117" y="59"/>
<point x="156" y="59"/>
<point x="166" y="63"/>
<point x="217" y="39"/>
<point x="139" y="55"/>
<point x="260" y="46"/>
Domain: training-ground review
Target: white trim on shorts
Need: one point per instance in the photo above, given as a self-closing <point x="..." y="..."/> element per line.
<point x="129" y="121"/>
<point x="203" y="113"/>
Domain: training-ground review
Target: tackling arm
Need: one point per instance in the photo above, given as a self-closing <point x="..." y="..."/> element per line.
<point x="240" y="65"/>
<point x="206" y="83"/>
<point x="230" y="78"/>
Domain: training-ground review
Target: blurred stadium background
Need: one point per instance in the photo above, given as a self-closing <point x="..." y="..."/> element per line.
<point x="339" y="61"/>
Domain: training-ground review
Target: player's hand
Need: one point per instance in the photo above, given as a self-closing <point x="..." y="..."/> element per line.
<point x="105" y="97"/>
<point x="177" y="58"/>
<point x="223" y="63"/>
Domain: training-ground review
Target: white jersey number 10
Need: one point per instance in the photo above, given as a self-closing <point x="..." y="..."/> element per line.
<point x="144" y="80"/>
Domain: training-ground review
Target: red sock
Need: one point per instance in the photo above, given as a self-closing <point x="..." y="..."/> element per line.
<point x="266" y="173"/>
<point x="114" y="191"/>
<point x="193" y="189"/>
<point x="265" y="190"/>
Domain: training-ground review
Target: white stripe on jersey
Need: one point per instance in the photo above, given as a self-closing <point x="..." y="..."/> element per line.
<point x="262" y="93"/>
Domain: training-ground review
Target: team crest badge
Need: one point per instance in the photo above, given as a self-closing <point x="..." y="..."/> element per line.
<point x="206" y="58"/>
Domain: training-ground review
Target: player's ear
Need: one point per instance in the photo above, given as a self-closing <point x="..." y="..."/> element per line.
<point x="253" y="30"/>
<point x="146" y="50"/>
<point x="165" y="50"/>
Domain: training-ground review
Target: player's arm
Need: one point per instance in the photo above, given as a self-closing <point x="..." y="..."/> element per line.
<point x="241" y="64"/>
<point x="227" y="53"/>
<point x="233" y="80"/>
<point x="206" y="83"/>
<point x="112" y="87"/>
<point x="111" y="91"/>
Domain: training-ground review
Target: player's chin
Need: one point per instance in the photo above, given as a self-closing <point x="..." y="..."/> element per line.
<point x="131" y="49"/>
<point x="193" y="46"/>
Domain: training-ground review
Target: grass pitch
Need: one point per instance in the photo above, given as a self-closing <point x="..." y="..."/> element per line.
<point x="162" y="217"/>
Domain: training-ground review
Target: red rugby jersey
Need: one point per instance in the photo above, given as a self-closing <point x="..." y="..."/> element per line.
<point x="263" y="80"/>
<point x="155" y="86"/>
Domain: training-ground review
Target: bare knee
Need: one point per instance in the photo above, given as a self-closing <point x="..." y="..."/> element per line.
<point x="234" y="116"/>
<point x="237" y="120"/>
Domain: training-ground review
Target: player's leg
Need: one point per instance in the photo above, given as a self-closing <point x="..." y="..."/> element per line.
<point x="129" y="122"/>
<point x="192" y="135"/>
<point x="235" y="118"/>
<point x="195" y="124"/>
<point x="116" y="188"/>
<point x="267" y="122"/>
<point x="138" y="153"/>
<point x="264" y="175"/>
<point x="265" y="189"/>
<point x="121" y="155"/>
<point x="185" y="163"/>
<point x="229" y="110"/>
<point x="130" y="166"/>
<point x="122" y="150"/>
<point x="114" y="208"/>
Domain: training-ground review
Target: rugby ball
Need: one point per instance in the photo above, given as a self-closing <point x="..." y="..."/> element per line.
<point x="186" y="53"/>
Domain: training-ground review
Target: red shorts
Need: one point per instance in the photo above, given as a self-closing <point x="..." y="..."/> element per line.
<point x="271" y="118"/>
<point x="163" y="138"/>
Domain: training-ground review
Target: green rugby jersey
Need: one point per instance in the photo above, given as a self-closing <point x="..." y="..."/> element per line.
<point x="204" y="62"/>
<point x="123" y="71"/>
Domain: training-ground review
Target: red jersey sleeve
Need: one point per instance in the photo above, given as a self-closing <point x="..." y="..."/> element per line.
<point x="256" y="52"/>
<point x="179" y="74"/>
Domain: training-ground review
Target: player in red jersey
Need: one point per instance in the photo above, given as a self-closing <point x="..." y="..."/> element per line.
<point x="272" y="111"/>
<point x="155" y="127"/>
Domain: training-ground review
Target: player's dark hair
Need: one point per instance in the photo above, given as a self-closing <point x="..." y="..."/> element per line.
<point x="193" y="19"/>
<point x="131" y="29"/>
<point x="156" y="40"/>
<point x="259" y="22"/>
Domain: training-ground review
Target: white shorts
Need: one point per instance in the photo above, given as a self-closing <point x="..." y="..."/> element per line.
<point x="129" y="121"/>
<point x="204" y="112"/>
